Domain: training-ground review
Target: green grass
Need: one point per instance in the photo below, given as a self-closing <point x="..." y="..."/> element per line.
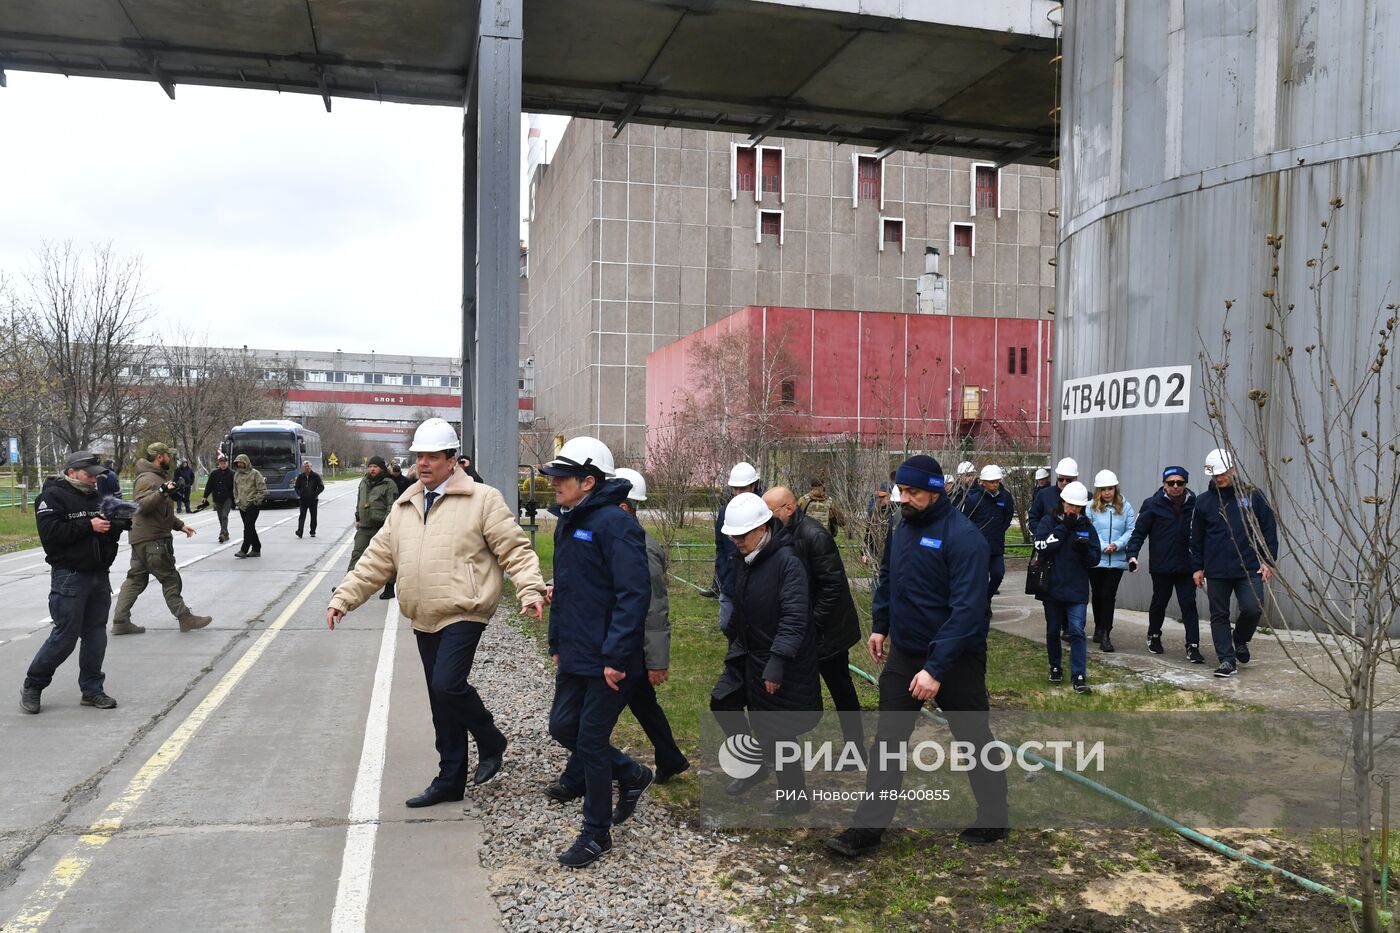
<point x="17" y="529"/>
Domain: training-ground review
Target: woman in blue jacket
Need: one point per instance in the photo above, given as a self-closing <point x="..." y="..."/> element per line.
<point x="1113" y="519"/>
<point x="1069" y="545"/>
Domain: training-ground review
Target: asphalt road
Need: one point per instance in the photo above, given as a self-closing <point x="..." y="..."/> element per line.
<point x="254" y="774"/>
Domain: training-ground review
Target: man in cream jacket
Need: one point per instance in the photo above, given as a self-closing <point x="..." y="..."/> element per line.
<point x="448" y="538"/>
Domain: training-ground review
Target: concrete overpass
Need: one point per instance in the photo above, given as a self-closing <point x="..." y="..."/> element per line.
<point x="973" y="80"/>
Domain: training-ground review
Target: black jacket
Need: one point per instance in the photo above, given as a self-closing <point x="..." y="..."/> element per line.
<point x="309" y="486"/>
<point x="602" y="585"/>
<point x="832" y="609"/>
<point x="772" y="621"/>
<point x="1166" y="532"/>
<point x="1043" y="502"/>
<point x="109" y="484"/>
<point x="931" y="597"/>
<point x="403" y="482"/>
<point x="185" y="477"/>
<point x="1220" y="539"/>
<point x="725" y="553"/>
<point x="64" y="517"/>
<point x="991" y="515"/>
<point x="1075" y="549"/>
<point x="219" y="485"/>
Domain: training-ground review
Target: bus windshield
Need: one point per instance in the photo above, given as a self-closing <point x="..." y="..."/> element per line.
<point x="271" y="452"/>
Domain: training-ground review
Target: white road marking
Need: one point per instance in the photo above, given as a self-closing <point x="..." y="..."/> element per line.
<point x="357" y="864"/>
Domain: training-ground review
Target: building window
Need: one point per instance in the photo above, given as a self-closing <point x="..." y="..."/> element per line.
<point x="869" y="181"/>
<point x="773" y="172"/>
<point x="1011" y="360"/>
<point x="356" y="378"/>
<point x="456" y="382"/>
<point x="789" y="394"/>
<point x="1023" y="361"/>
<point x="337" y="377"/>
<point x="392" y="379"/>
<point x="770" y="224"/>
<point x="315" y="375"/>
<point x="986" y="188"/>
<point x="892" y="233"/>
<point x="745" y="168"/>
<point x="962" y="236"/>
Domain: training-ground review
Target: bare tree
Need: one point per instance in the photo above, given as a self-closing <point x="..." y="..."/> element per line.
<point x="1316" y="431"/>
<point x="674" y="465"/>
<point x="337" y="435"/>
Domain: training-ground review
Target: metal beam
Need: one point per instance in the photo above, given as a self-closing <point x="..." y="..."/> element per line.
<point x="163" y="79"/>
<point x="469" y="170"/>
<point x="325" y="91"/>
<point x="767" y="127"/>
<point x="2" y="77"/>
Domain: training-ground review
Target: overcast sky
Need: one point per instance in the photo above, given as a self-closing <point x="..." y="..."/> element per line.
<point x="260" y="218"/>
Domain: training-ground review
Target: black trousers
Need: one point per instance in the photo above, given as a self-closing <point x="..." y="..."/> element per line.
<point x="582" y="718"/>
<point x="1163" y="585"/>
<point x="963" y="691"/>
<point x="307" y="506"/>
<point x="78" y="604"/>
<point x="458" y="711"/>
<point x="250" y="529"/>
<point x="836" y="673"/>
<point x="652" y="718"/>
<point x="729" y="702"/>
<point x="1103" y="585"/>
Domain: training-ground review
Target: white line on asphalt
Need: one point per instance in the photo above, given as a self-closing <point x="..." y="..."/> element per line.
<point x="70" y="869"/>
<point x="357" y="864"/>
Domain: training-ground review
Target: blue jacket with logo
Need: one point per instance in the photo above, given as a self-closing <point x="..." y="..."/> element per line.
<point x="932" y="592"/>
<point x="990" y="514"/>
<point x="1220" y="542"/>
<point x="602" y="585"/>
<point x="1166" y="532"/>
<point x="1075" y="549"/>
<point x="1113" y="528"/>
<point x="1043" y="502"/>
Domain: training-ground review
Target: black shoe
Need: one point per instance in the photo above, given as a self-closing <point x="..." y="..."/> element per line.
<point x="488" y="767"/>
<point x="983" y="835"/>
<point x="313" y="534"/>
<point x="256" y="554"/>
<point x="1057" y="675"/>
<point x="1154" y="644"/>
<point x="1081" y="684"/>
<point x="433" y="795"/>
<point x="99" y="700"/>
<point x="240" y="554"/>
<point x="1106" y="644"/>
<point x="663" y="775"/>
<point x="561" y="792"/>
<point x="1193" y="654"/>
<point x="1226" y="669"/>
<point x="585" y="850"/>
<point x="298" y="534"/>
<point x="793" y="806"/>
<point x="1064" y="634"/>
<point x="1242" y="654"/>
<point x="854" y="843"/>
<point x="1097" y="636"/>
<point x="388" y="593"/>
<point x="629" y="793"/>
<point x="29" y="699"/>
<point x="741" y="786"/>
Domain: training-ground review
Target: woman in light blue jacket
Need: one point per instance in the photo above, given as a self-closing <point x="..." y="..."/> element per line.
<point x="1113" y="519"/>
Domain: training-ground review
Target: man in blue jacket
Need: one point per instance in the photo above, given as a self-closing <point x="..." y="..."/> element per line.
<point x="742" y="478"/>
<point x="930" y="605"/>
<point x="601" y="593"/>
<point x="1164" y="523"/>
<point x="991" y="507"/>
<point x="1234" y="543"/>
<point x="1047" y="497"/>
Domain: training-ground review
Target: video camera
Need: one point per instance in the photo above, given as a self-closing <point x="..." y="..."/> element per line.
<point x="119" y="512"/>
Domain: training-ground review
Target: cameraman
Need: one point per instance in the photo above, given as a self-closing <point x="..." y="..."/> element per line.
<point x="152" y="551"/>
<point x="79" y="545"/>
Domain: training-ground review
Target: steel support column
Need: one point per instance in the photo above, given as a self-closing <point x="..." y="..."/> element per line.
<point x="491" y="248"/>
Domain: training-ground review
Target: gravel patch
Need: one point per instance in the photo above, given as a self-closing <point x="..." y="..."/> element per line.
<point x="660" y="875"/>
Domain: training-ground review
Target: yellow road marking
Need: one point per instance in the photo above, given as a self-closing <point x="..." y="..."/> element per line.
<point x="71" y="868"/>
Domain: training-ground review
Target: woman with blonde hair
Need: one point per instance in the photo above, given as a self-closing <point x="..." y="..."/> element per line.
<point x="1113" y="520"/>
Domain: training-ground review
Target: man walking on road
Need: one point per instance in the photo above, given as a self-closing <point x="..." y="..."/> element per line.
<point x="184" y="485"/>
<point x="79" y="546"/>
<point x="152" y="551"/>
<point x="1164" y="524"/>
<point x="219" y="485"/>
<point x="309" y="487"/>
<point x="249" y="493"/>
<point x="448" y="539"/>
<point x="373" y="503"/>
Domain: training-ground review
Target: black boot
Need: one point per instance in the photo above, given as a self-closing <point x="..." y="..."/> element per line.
<point x="1105" y="643"/>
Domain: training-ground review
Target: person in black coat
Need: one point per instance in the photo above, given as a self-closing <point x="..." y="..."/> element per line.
<point x="990" y="506"/>
<point x="109" y="483"/>
<point x="309" y="487"/>
<point x="218" y="485"/>
<point x="930" y="630"/>
<point x="184" y="485"/>
<point x="742" y="478"/>
<point x="398" y="479"/>
<point x="772" y="623"/>
<point x="1164" y="524"/>
<point x="1069" y="545"/>
<point x="832" y="608"/>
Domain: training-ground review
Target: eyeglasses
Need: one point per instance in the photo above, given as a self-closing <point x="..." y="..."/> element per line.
<point x="1175" y="482"/>
<point x="1062" y="480"/>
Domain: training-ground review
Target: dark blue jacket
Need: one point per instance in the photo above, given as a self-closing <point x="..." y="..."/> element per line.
<point x="932" y="594"/>
<point x="602" y="585"/>
<point x="1166" y="532"/>
<point x="109" y="484"/>
<point x="1075" y="549"/>
<point x="725" y="552"/>
<point x="1043" y="502"/>
<point x="1220" y="542"/>
<point x="991" y="515"/>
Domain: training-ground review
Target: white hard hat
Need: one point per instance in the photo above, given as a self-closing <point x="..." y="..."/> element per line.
<point x="1219" y="461"/>
<point x="639" y="484"/>
<point x="1067" y="467"/>
<point x="1075" y="494"/>
<point x="965" y="467"/>
<point x="1105" y="478"/>
<point x="991" y="472"/>
<point x="743" y="474"/>
<point x="581" y="456"/>
<point x="433" y="435"/>
<point x="744" y="513"/>
<point x="1042" y="473"/>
